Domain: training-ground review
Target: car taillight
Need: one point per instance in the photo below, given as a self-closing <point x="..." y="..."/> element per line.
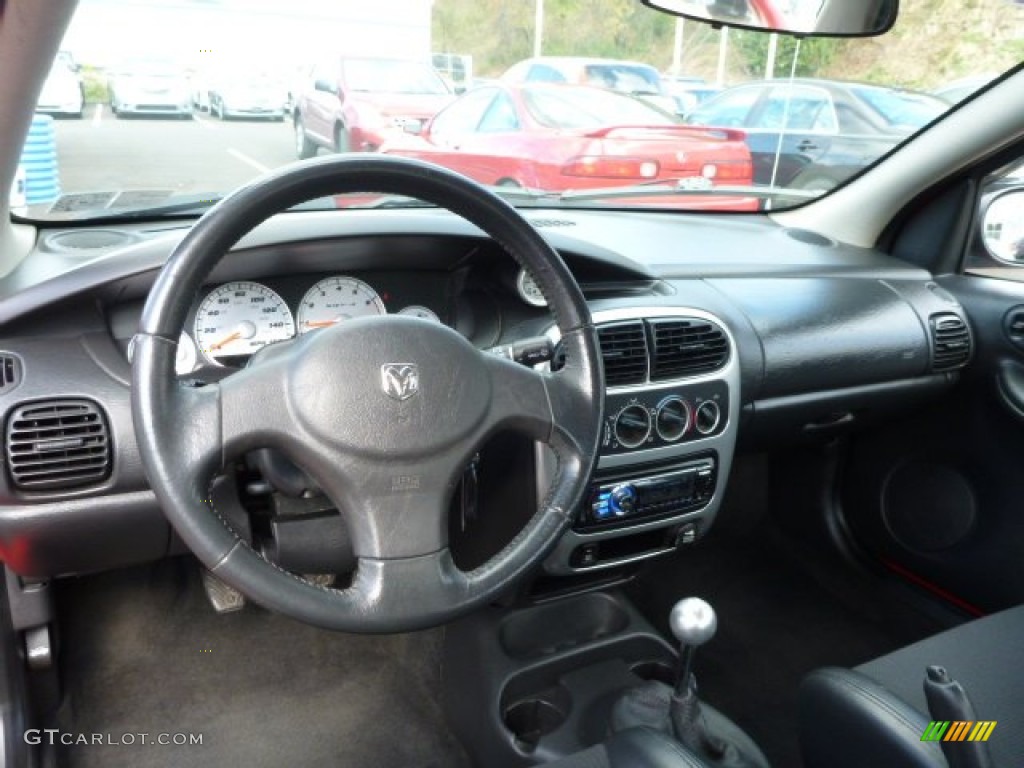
<point x="598" y="166"/>
<point x="724" y="173"/>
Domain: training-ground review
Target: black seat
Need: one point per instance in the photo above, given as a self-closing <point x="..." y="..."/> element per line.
<point x="877" y="714"/>
<point x="633" y="748"/>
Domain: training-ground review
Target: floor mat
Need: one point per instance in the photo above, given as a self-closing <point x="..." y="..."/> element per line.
<point x="776" y="622"/>
<point x="143" y="653"/>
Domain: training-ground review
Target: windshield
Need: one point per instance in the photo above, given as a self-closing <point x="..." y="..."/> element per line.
<point x="162" y="107"/>
<point x="384" y="76"/>
<point x="574" y="108"/>
<point x="901" y="108"/>
<point x="623" y="77"/>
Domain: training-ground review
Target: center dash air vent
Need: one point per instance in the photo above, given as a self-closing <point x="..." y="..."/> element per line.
<point x="57" y="444"/>
<point x="624" y="352"/>
<point x="951" y="342"/>
<point x="685" y="347"/>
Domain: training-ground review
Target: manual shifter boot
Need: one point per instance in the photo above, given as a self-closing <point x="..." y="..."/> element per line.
<point x="678" y="711"/>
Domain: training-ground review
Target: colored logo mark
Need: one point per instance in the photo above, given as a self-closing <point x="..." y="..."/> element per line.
<point x="958" y="730"/>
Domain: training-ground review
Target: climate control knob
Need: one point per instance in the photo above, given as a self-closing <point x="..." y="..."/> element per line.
<point x="632" y="425"/>
<point x="707" y="417"/>
<point x="672" y="419"/>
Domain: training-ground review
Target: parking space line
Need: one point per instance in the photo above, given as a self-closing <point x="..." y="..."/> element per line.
<point x="97" y="114"/>
<point x="248" y="160"/>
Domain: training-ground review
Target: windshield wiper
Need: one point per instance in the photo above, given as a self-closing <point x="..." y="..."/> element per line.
<point x="512" y="194"/>
<point x="686" y="187"/>
<point x="130" y="204"/>
<point x="148" y="204"/>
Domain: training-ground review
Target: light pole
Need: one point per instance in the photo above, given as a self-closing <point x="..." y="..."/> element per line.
<point x="677" y="47"/>
<point x="538" y="26"/>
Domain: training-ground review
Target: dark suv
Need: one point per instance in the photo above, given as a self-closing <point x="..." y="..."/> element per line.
<point x="354" y="104"/>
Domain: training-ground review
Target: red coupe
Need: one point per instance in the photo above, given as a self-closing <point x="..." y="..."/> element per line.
<point x="564" y="137"/>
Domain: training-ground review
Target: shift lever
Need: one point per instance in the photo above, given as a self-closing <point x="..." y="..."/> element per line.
<point x="701" y="729"/>
<point x="693" y="623"/>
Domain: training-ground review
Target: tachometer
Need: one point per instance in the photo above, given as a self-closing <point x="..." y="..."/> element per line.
<point x="335" y="299"/>
<point x="415" y="310"/>
<point x="237" y="319"/>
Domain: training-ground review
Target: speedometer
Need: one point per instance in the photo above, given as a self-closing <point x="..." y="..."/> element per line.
<point x="335" y="299"/>
<point x="237" y="319"/>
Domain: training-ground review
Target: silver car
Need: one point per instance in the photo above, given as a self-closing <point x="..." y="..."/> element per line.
<point x="150" y="86"/>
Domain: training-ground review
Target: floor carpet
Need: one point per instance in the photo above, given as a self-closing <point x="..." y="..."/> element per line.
<point x="143" y="653"/>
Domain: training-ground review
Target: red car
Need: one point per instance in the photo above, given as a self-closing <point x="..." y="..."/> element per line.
<point x="355" y="104"/>
<point x="563" y="137"/>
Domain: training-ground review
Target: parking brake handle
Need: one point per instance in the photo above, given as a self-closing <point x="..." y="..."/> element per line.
<point x="948" y="702"/>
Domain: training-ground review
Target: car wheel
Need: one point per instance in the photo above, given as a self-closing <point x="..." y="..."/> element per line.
<point x="342" y="141"/>
<point x="507" y="182"/>
<point x="304" y="148"/>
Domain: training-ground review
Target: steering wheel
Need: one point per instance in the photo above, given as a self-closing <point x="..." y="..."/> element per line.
<point x="384" y="413"/>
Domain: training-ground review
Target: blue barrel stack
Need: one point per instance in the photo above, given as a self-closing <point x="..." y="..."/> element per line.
<point x="39" y="159"/>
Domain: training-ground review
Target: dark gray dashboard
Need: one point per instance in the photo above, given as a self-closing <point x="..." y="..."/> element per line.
<point x="826" y="337"/>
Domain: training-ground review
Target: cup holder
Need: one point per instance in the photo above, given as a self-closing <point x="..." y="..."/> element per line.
<point x="660" y="671"/>
<point x="530" y="719"/>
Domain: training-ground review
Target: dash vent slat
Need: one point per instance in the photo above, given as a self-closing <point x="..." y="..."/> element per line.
<point x="624" y="352"/>
<point x="686" y="347"/>
<point x="57" y="444"/>
<point x="951" y="342"/>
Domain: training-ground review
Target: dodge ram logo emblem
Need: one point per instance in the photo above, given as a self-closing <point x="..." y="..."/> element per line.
<point x="400" y="380"/>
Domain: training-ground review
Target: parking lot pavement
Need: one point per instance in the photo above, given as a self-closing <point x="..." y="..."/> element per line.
<point x="198" y="156"/>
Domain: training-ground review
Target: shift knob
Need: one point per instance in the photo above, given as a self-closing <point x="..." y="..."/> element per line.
<point x="693" y="622"/>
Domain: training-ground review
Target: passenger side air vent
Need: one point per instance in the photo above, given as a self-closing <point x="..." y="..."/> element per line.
<point x="57" y="444"/>
<point x="686" y="347"/>
<point x="624" y="352"/>
<point x="951" y="342"/>
<point x="10" y="372"/>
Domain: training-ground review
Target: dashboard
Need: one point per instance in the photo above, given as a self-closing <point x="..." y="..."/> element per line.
<point x="231" y="321"/>
<point x="715" y="340"/>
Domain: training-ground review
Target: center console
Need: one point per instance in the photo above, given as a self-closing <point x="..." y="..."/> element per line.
<point x="671" y="414"/>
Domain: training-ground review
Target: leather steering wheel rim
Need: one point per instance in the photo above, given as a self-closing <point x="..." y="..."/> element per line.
<point x="388" y="459"/>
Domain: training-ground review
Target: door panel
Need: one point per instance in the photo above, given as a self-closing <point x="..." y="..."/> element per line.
<point x="937" y="498"/>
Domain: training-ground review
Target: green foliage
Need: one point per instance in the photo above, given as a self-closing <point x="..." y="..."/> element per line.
<point x="95" y="85"/>
<point x="813" y="55"/>
<point x="933" y="42"/>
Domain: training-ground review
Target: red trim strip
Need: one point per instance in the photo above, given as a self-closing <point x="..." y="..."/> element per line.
<point x="949" y="597"/>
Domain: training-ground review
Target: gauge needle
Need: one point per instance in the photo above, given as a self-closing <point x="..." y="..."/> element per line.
<point x="226" y="340"/>
<point x="320" y="323"/>
<point x="246" y="330"/>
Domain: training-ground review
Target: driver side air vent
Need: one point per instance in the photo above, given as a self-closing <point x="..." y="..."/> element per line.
<point x="685" y="347"/>
<point x="951" y="342"/>
<point x="10" y="372"/>
<point x="57" y="444"/>
<point x="624" y="352"/>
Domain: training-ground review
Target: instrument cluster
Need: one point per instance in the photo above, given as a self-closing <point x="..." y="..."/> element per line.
<point x="232" y="321"/>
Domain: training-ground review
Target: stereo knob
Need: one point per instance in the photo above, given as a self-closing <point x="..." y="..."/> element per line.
<point x="632" y="425"/>
<point x="707" y="417"/>
<point x="622" y="500"/>
<point x="672" y="419"/>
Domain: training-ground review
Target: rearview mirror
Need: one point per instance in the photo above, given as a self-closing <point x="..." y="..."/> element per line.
<point x="811" y="18"/>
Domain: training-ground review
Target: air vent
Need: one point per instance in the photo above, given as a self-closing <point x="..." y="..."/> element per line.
<point x="624" y="352"/>
<point x="57" y="444"/>
<point x="686" y="347"/>
<point x="10" y="372"/>
<point x="951" y="342"/>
